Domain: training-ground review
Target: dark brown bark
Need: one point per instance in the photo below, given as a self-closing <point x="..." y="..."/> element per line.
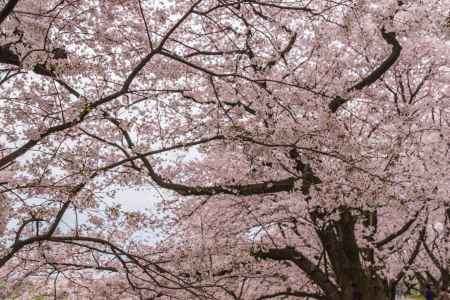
<point x="7" y="10"/>
<point x="300" y="260"/>
<point x="391" y="39"/>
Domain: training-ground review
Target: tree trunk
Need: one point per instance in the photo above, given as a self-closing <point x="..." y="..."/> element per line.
<point x="372" y="291"/>
<point x="356" y="281"/>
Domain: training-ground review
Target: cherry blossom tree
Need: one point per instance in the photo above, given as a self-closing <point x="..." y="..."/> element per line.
<point x="299" y="148"/>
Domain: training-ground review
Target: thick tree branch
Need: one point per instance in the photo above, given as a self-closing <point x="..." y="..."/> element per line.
<point x="297" y="294"/>
<point x="7" y="56"/>
<point x="433" y="257"/>
<point x="265" y="187"/>
<point x="301" y="261"/>
<point x="19" y="244"/>
<point x="86" y="266"/>
<point x="7" y="10"/>
<point x="390" y="38"/>
<point x="398" y="233"/>
<point x="413" y="255"/>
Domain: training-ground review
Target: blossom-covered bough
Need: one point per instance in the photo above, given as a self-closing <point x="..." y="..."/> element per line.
<point x="299" y="148"/>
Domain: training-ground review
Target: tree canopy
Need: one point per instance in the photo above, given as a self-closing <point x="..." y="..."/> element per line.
<point x="298" y="149"/>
